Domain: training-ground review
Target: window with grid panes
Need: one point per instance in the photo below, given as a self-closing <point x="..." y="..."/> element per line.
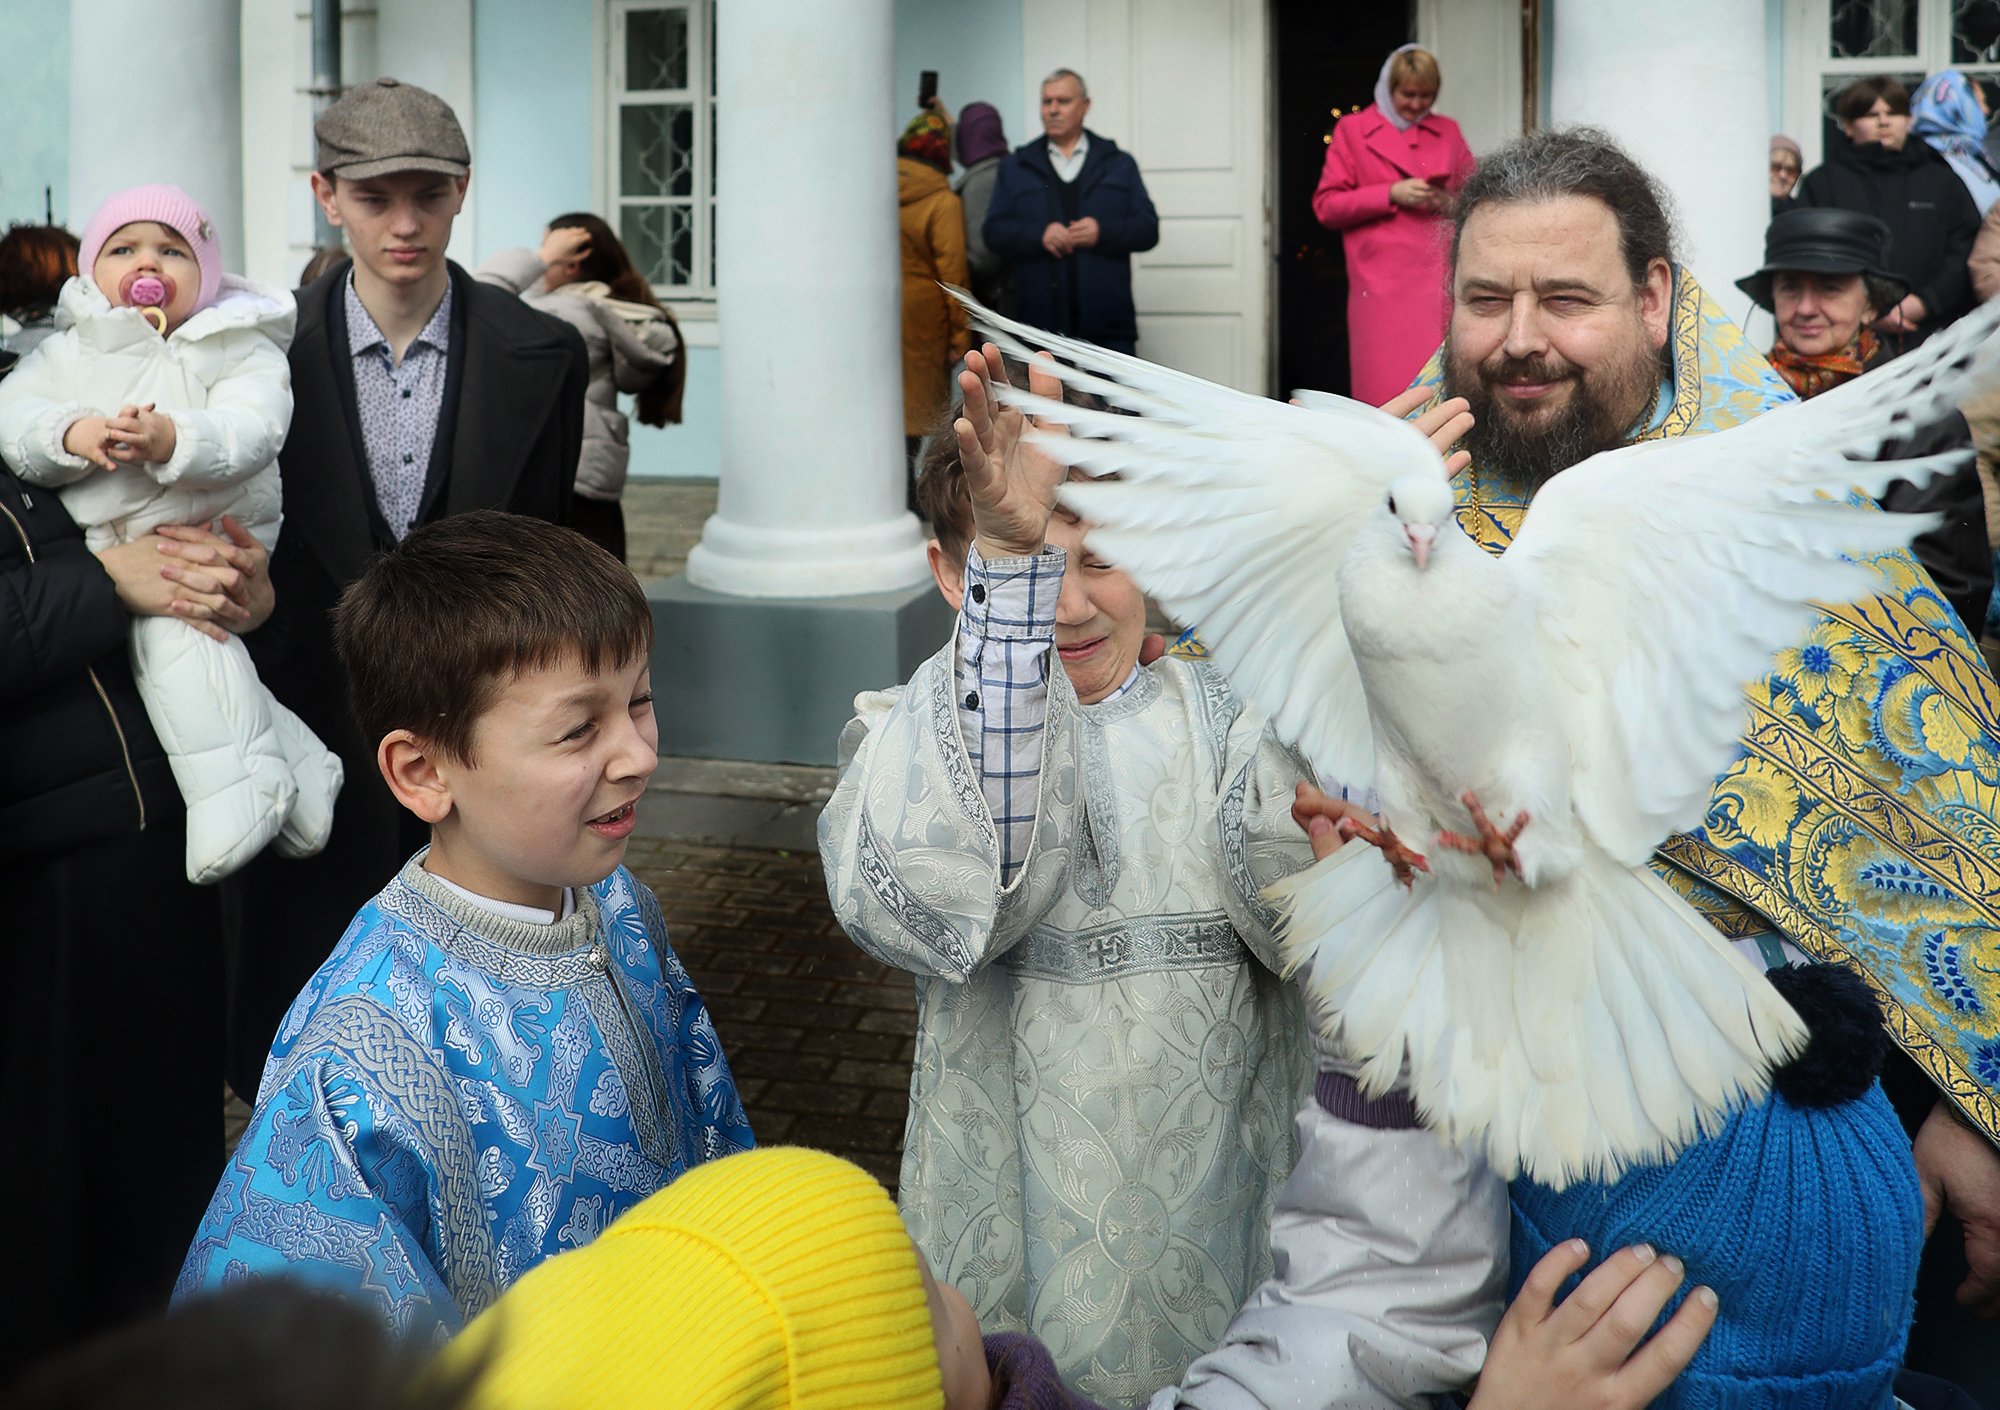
<point x="660" y="163"/>
<point x="1905" y="39"/>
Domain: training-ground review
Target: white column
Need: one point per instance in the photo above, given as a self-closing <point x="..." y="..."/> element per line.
<point x="1704" y="134"/>
<point x="1478" y="48"/>
<point x="155" y="95"/>
<point x="809" y="300"/>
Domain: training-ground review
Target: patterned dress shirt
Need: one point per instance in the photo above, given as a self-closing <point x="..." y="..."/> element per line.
<point x="399" y="405"/>
<point x="1006" y="628"/>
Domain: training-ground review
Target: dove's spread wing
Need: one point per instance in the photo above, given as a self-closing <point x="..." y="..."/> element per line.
<point x="1667" y="575"/>
<point x="1232" y="510"/>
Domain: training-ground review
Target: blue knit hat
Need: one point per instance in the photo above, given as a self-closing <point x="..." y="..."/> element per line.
<point x="1806" y="1220"/>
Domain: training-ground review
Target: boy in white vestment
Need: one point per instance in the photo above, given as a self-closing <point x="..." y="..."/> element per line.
<point x="1107" y="1062"/>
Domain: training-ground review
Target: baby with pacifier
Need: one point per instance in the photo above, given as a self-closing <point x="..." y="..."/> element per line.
<point x="162" y="398"/>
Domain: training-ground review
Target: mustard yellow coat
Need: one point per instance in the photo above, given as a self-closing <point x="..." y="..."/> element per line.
<point x="935" y="333"/>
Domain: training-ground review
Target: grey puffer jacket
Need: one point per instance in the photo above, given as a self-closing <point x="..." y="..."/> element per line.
<point x="630" y="346"/>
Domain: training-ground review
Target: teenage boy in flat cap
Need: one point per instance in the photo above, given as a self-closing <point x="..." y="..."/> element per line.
<point x="419" y="393"/>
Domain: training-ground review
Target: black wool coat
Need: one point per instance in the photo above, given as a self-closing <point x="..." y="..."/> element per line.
<point x="114" y="956"/>
<point x="79" y="762"/>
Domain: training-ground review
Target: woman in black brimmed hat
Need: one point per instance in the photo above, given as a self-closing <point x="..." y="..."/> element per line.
<point x="1825" y="279"/>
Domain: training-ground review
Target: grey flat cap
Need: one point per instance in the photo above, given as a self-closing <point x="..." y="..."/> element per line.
<point x="388" y="126"/>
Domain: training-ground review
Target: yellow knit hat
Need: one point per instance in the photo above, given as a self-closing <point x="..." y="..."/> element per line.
<point x="776" y="1278"/>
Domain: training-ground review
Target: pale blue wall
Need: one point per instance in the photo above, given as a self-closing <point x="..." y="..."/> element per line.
<point x="693" y="449"/>
<point x="34" y="111"/>
<point x="533" y="83"/>
<point x="975" y="45"/>
<point x="531" y="98"/>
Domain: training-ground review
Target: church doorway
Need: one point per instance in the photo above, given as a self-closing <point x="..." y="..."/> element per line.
<point x="1324" y="60"/>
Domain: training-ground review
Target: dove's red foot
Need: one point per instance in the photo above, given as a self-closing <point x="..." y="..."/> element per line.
<point x="1491" y="843"/>
<point x="1405" y="862"/>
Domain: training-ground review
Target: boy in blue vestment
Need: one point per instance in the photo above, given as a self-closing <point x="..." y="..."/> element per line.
<point x="502" y="1054"/>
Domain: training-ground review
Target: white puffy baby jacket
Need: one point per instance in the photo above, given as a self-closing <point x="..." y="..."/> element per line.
<point x="248" y="769"/>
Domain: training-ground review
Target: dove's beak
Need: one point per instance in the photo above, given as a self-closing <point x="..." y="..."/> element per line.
<point x="1420" y="537"/>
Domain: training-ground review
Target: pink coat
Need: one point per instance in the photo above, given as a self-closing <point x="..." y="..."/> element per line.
<point x="1397" y="302"/>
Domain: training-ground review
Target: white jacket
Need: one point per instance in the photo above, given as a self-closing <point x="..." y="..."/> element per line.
<point x="631" y="346"/>
<point x="1389" y="1253"/>
<point x="223" y="378"/>
<point x="248" y="769"/>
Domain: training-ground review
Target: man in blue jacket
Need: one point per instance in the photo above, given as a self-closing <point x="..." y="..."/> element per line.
<point x="1068" y="212"/>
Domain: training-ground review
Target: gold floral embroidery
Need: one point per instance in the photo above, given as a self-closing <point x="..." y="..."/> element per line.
<point x="1756" y="801"/>
<point x="1822" y="668"/>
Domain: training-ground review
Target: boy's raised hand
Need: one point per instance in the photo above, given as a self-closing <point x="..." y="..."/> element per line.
<point x="1580" y="1355"/>
<point x="1011" y="484"/>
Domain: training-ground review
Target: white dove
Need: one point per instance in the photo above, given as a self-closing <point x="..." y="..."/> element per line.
<point x="1588" y="685"/>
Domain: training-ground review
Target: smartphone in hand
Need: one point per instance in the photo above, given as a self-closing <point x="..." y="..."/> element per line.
<point x="926" y="88"/>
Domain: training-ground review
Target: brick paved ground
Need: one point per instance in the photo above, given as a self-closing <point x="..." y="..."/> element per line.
<point x="663" y="520"/>
<point x="820" y="1035"/>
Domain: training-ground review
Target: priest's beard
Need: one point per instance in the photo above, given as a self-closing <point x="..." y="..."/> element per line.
<point x="1535" y="444"/>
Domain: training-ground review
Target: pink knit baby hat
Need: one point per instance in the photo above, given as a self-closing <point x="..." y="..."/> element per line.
<point x="171" y="207"/>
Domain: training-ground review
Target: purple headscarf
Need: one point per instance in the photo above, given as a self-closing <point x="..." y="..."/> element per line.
<point x="979" y="134"/>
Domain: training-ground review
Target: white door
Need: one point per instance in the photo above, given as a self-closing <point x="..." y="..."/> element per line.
<point x="1180" y="84"/>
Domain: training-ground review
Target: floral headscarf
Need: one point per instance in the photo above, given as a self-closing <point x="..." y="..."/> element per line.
<point x="1945" y="114"/>
<point x="927" y="139"/>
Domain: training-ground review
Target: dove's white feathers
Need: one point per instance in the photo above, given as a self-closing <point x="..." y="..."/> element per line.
<point x="1566" y="1060"/>
<point x="1227" y="509"/>
<point x="1668" y="573"/>
<point x="1593" y="1018"/>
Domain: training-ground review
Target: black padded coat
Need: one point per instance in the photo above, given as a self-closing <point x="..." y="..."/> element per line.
<point x="78" y="760"/>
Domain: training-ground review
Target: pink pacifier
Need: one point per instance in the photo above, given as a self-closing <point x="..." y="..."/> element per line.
<point x="149" y="293"/>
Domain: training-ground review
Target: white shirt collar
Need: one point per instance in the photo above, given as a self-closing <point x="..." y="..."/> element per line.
<point x="1067" y="167"/>
<point x="1130" y="681"/>
<point x="510" y="910"/>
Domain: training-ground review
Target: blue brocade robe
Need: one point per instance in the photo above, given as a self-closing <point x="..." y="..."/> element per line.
<point x="455" y="1097"/>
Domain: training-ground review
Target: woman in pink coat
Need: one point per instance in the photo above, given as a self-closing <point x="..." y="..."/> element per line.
<point x="1390" y="172"/>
